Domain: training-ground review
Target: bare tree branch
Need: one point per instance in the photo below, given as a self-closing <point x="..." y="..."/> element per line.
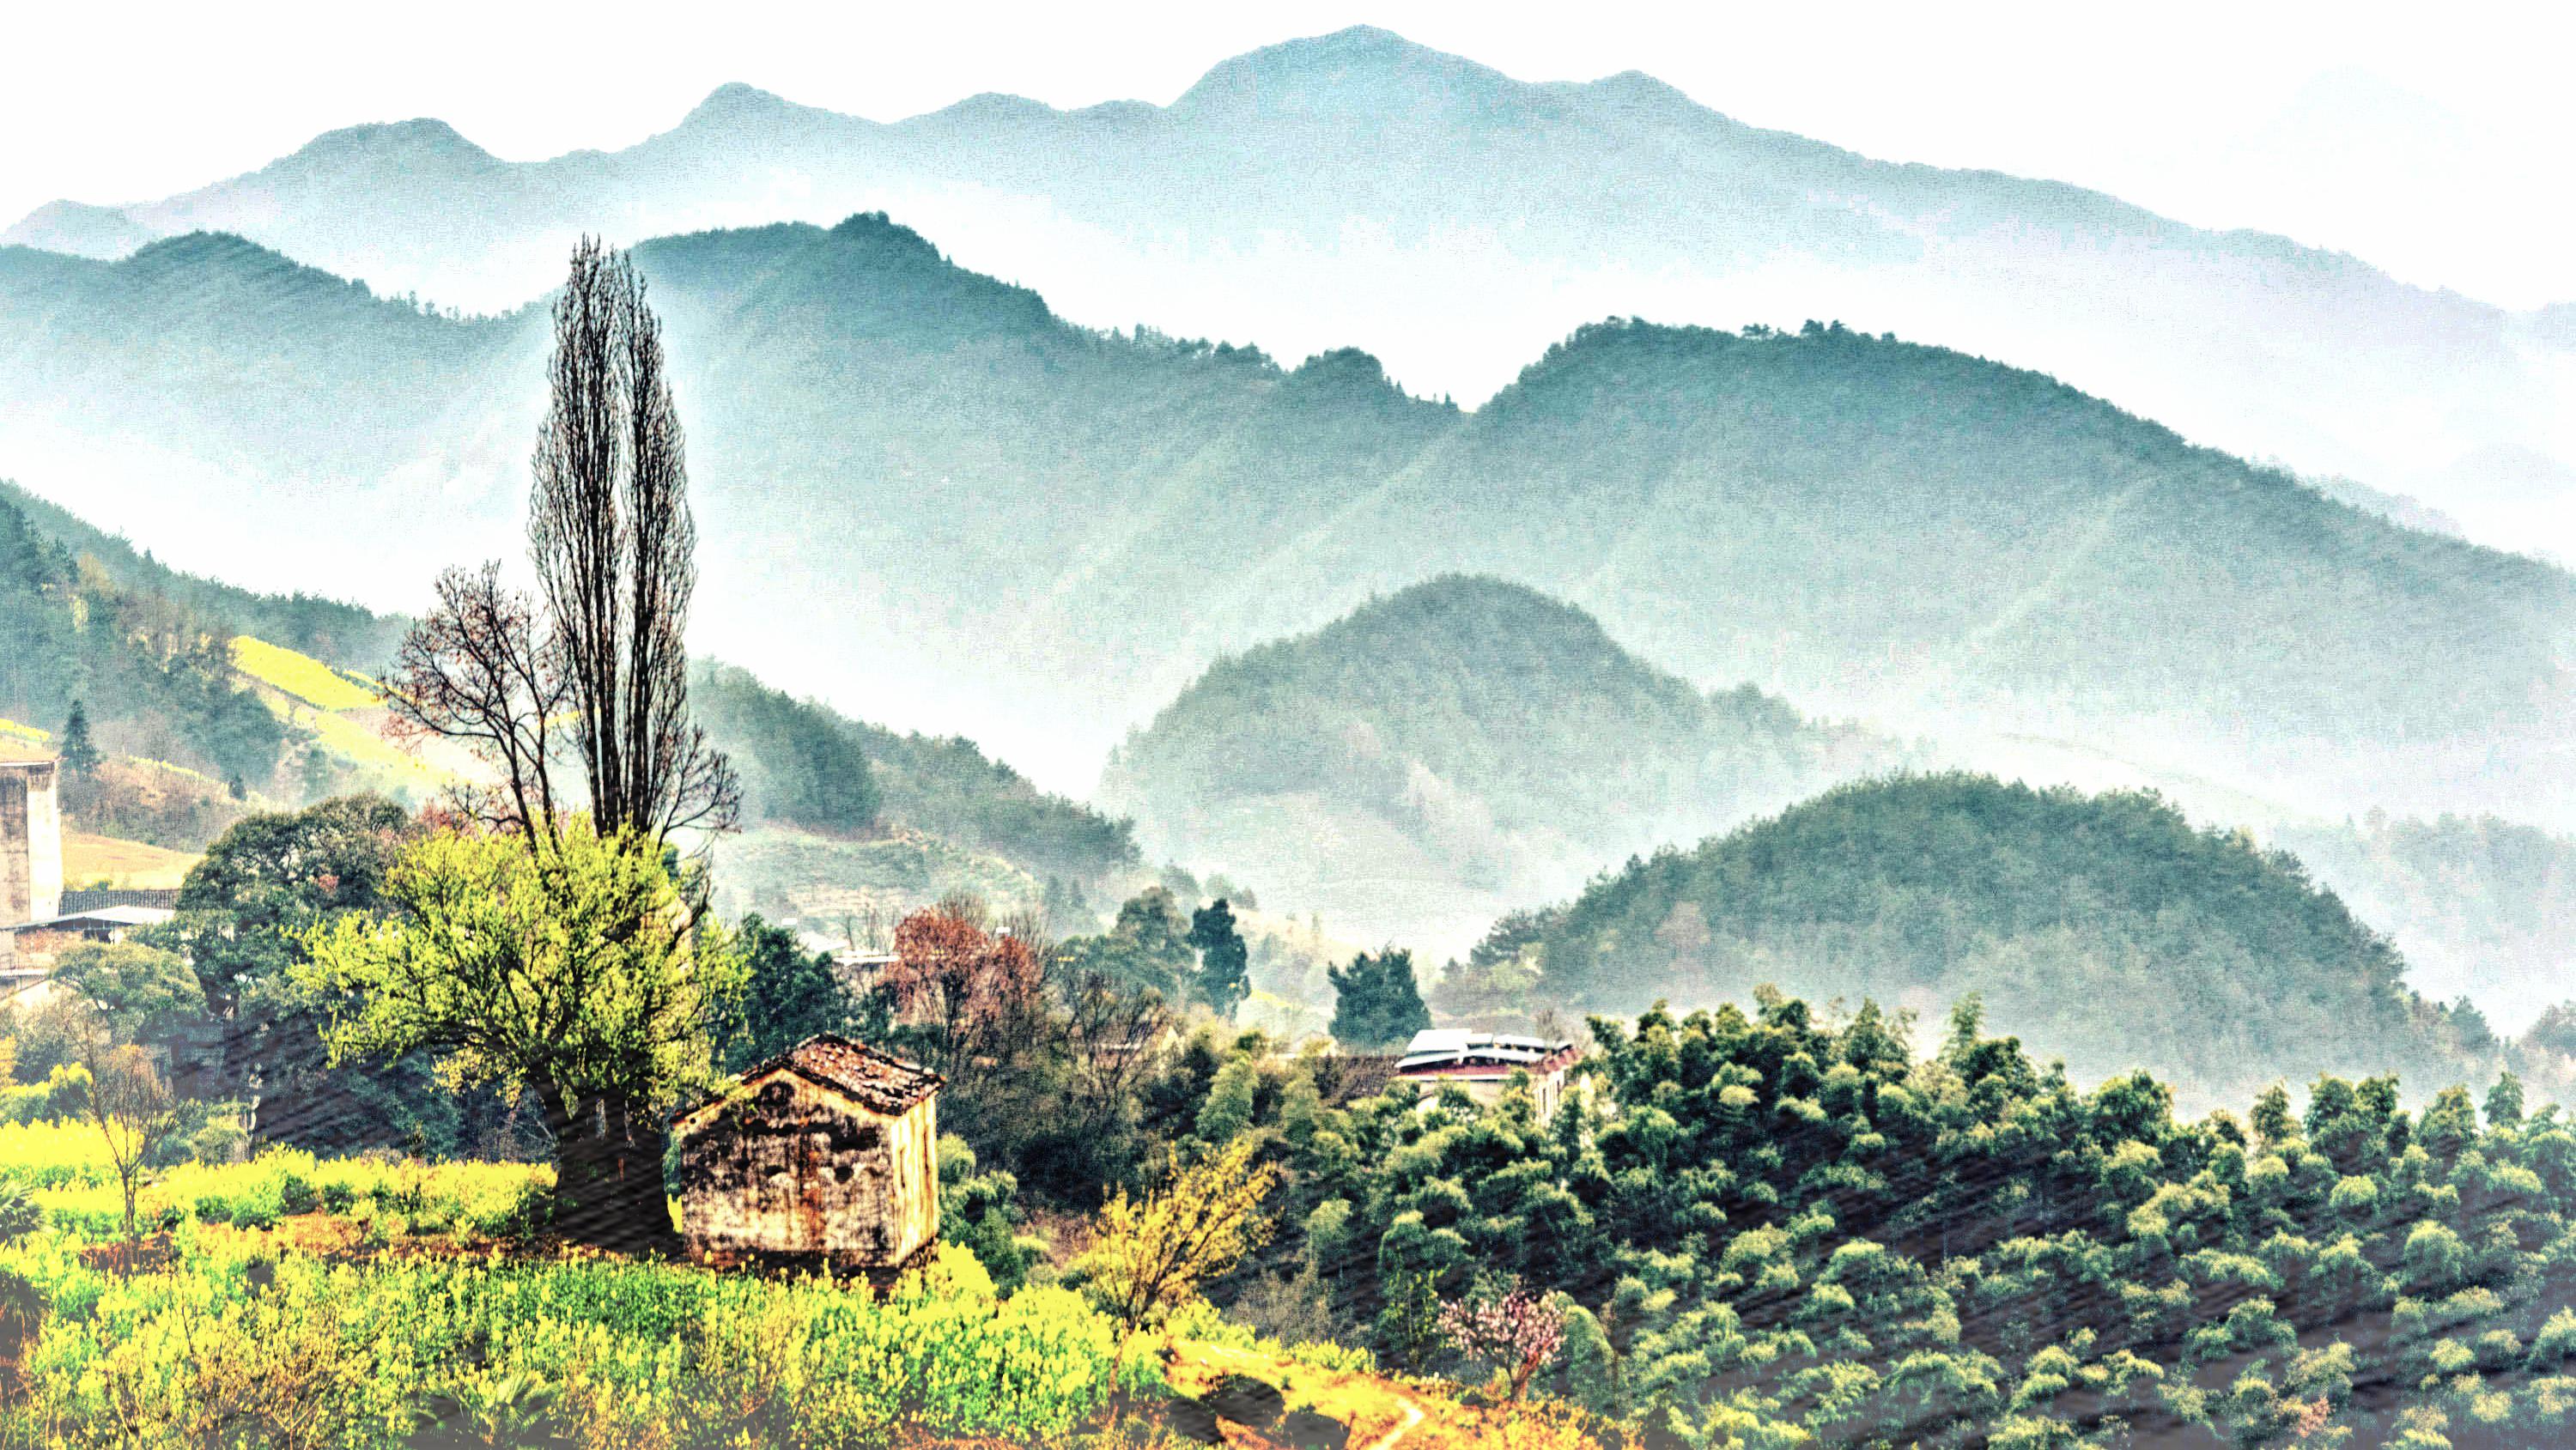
<point x="614" y="545"/>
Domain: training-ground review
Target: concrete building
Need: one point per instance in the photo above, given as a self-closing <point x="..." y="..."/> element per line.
<point x="826" y="1156"/>
<point x="1482" y="1064"/>
<point x="31" y="848"/>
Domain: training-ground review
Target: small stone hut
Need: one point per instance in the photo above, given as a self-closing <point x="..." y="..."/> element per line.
<point x="825" y="1156"/>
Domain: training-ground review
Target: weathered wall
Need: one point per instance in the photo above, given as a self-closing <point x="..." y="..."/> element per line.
<point x="31" y="844"/>
<point x="787" y="1168"/>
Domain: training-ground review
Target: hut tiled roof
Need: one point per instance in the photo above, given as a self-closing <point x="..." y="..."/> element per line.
<point x="881" y="1080"/>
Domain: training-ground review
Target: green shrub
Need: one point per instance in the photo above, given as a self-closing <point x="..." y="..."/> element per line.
<point x="519" y="1216"/>
<point x="214" y="1208"/>
<point x="19" y="1215"/>
<point x="338" y="1197"/>
<point x="252" y="1213"/>
<point x="295" y="1195"/>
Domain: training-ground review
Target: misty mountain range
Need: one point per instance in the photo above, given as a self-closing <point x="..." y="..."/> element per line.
<point x="1358" y="190"/>
<point x="919" y="483"/>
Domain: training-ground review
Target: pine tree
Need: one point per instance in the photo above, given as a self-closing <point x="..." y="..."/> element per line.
<point x="79" y="753"/>
<point x="1377" y="1004"/>
<point x="1225" y="977"/>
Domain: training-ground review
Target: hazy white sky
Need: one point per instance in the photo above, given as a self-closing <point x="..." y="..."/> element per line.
<point x="2440" y="148"/>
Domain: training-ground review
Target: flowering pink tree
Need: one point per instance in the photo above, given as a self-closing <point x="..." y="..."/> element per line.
<point x="1520" y="1330"/>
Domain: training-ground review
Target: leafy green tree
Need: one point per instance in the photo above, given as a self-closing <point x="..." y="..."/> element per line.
<point x="137" y="993"/>
<point x="787" y="995"/>
<point x="243" y="915"/>
<point x="1377" y="1004"/>
<point x="1224" y="960"/>
<point x="575" y="975"/>
<point x="1148" y="948"/>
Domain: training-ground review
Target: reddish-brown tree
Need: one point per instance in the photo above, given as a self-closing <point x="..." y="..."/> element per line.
<point x="959" y="986"/>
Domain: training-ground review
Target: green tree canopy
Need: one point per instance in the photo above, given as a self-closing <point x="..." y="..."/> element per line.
<point x="1377" y="1003"/>
<point x="1224" y="960"/>
<point x="574" y="975"/>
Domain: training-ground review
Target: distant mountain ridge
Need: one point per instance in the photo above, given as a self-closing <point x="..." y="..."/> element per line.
<point x="1046" y="531"/>
<point x="1458" y="744"/>
<point x="1357" y="189"/>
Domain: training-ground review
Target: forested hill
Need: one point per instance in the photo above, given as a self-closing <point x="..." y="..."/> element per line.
<point x="152" y="676"/>
<point x="808" y="767"/>
<point x="2103" y="927"/>
<point x="331" y="630"/>
<point x="1355" y="189"/>
<point x="1047" y="531"/>
<point x="87" y="617"/>
<point x="1460" y="743"/>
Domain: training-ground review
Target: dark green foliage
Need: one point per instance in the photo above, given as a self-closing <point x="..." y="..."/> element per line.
<point x="788" y="995"/>
<point x="1783" y="1222"/>
<point x="981" y="1211"/>
<point x="153" y="677"/>
<point x="799" y="765"/>
<point x="1377" y="1006"/>
<point x="77" y="752"/>
<point x="1224" y="978"/>
<point x="2104" y="926"/>
<point x="1148" y="948"/>
<point x="19" y="1215"/>
<point x="242" y="912"/>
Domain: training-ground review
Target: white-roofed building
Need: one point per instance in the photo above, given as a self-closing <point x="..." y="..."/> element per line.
<point x="1482" y="1063"/>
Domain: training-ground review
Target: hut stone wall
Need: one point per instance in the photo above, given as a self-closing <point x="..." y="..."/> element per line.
<point x="789" y="1170"/>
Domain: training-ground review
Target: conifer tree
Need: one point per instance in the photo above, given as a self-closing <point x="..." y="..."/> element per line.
<point x="1224" y="961"/>
<point x="79" y="752"/>
<point x="1377" y="1003"/>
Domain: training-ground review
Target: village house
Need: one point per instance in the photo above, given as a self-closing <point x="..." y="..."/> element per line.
<point x="1482" y="1063"/>
<point x="825" y="1156"/>
<point x="41" y="940"/>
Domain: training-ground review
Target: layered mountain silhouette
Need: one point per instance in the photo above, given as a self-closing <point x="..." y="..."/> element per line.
<point x="1356" y="189"/>
<point x="910" y="472"/>
<point x="1451" y="751"/>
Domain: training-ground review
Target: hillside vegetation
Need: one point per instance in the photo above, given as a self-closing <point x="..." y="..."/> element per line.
<point x="1790" y="1226"/>
<point x="2104" y="928"/>
<point x="153" y="676"/>
<point x="333" y="630"/>
<point x="1497" y="742"/>
<point x="805" y="765"/>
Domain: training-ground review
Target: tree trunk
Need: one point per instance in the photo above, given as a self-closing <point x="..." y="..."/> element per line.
<point x="608" y="1176"/>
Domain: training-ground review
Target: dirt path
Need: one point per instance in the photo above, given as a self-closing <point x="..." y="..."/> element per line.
<point x="1412" y="1417"/>
<point x="1356" y="1399"/>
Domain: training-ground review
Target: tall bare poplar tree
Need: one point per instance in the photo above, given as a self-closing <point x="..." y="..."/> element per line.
<point x="614" y="546"/>
<point x="600" y="655"/>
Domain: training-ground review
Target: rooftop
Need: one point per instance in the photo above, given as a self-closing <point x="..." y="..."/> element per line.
<point x="881" y="1080"/>
<point x="1439" y="1049"/>
<point x="104" y="918"/>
